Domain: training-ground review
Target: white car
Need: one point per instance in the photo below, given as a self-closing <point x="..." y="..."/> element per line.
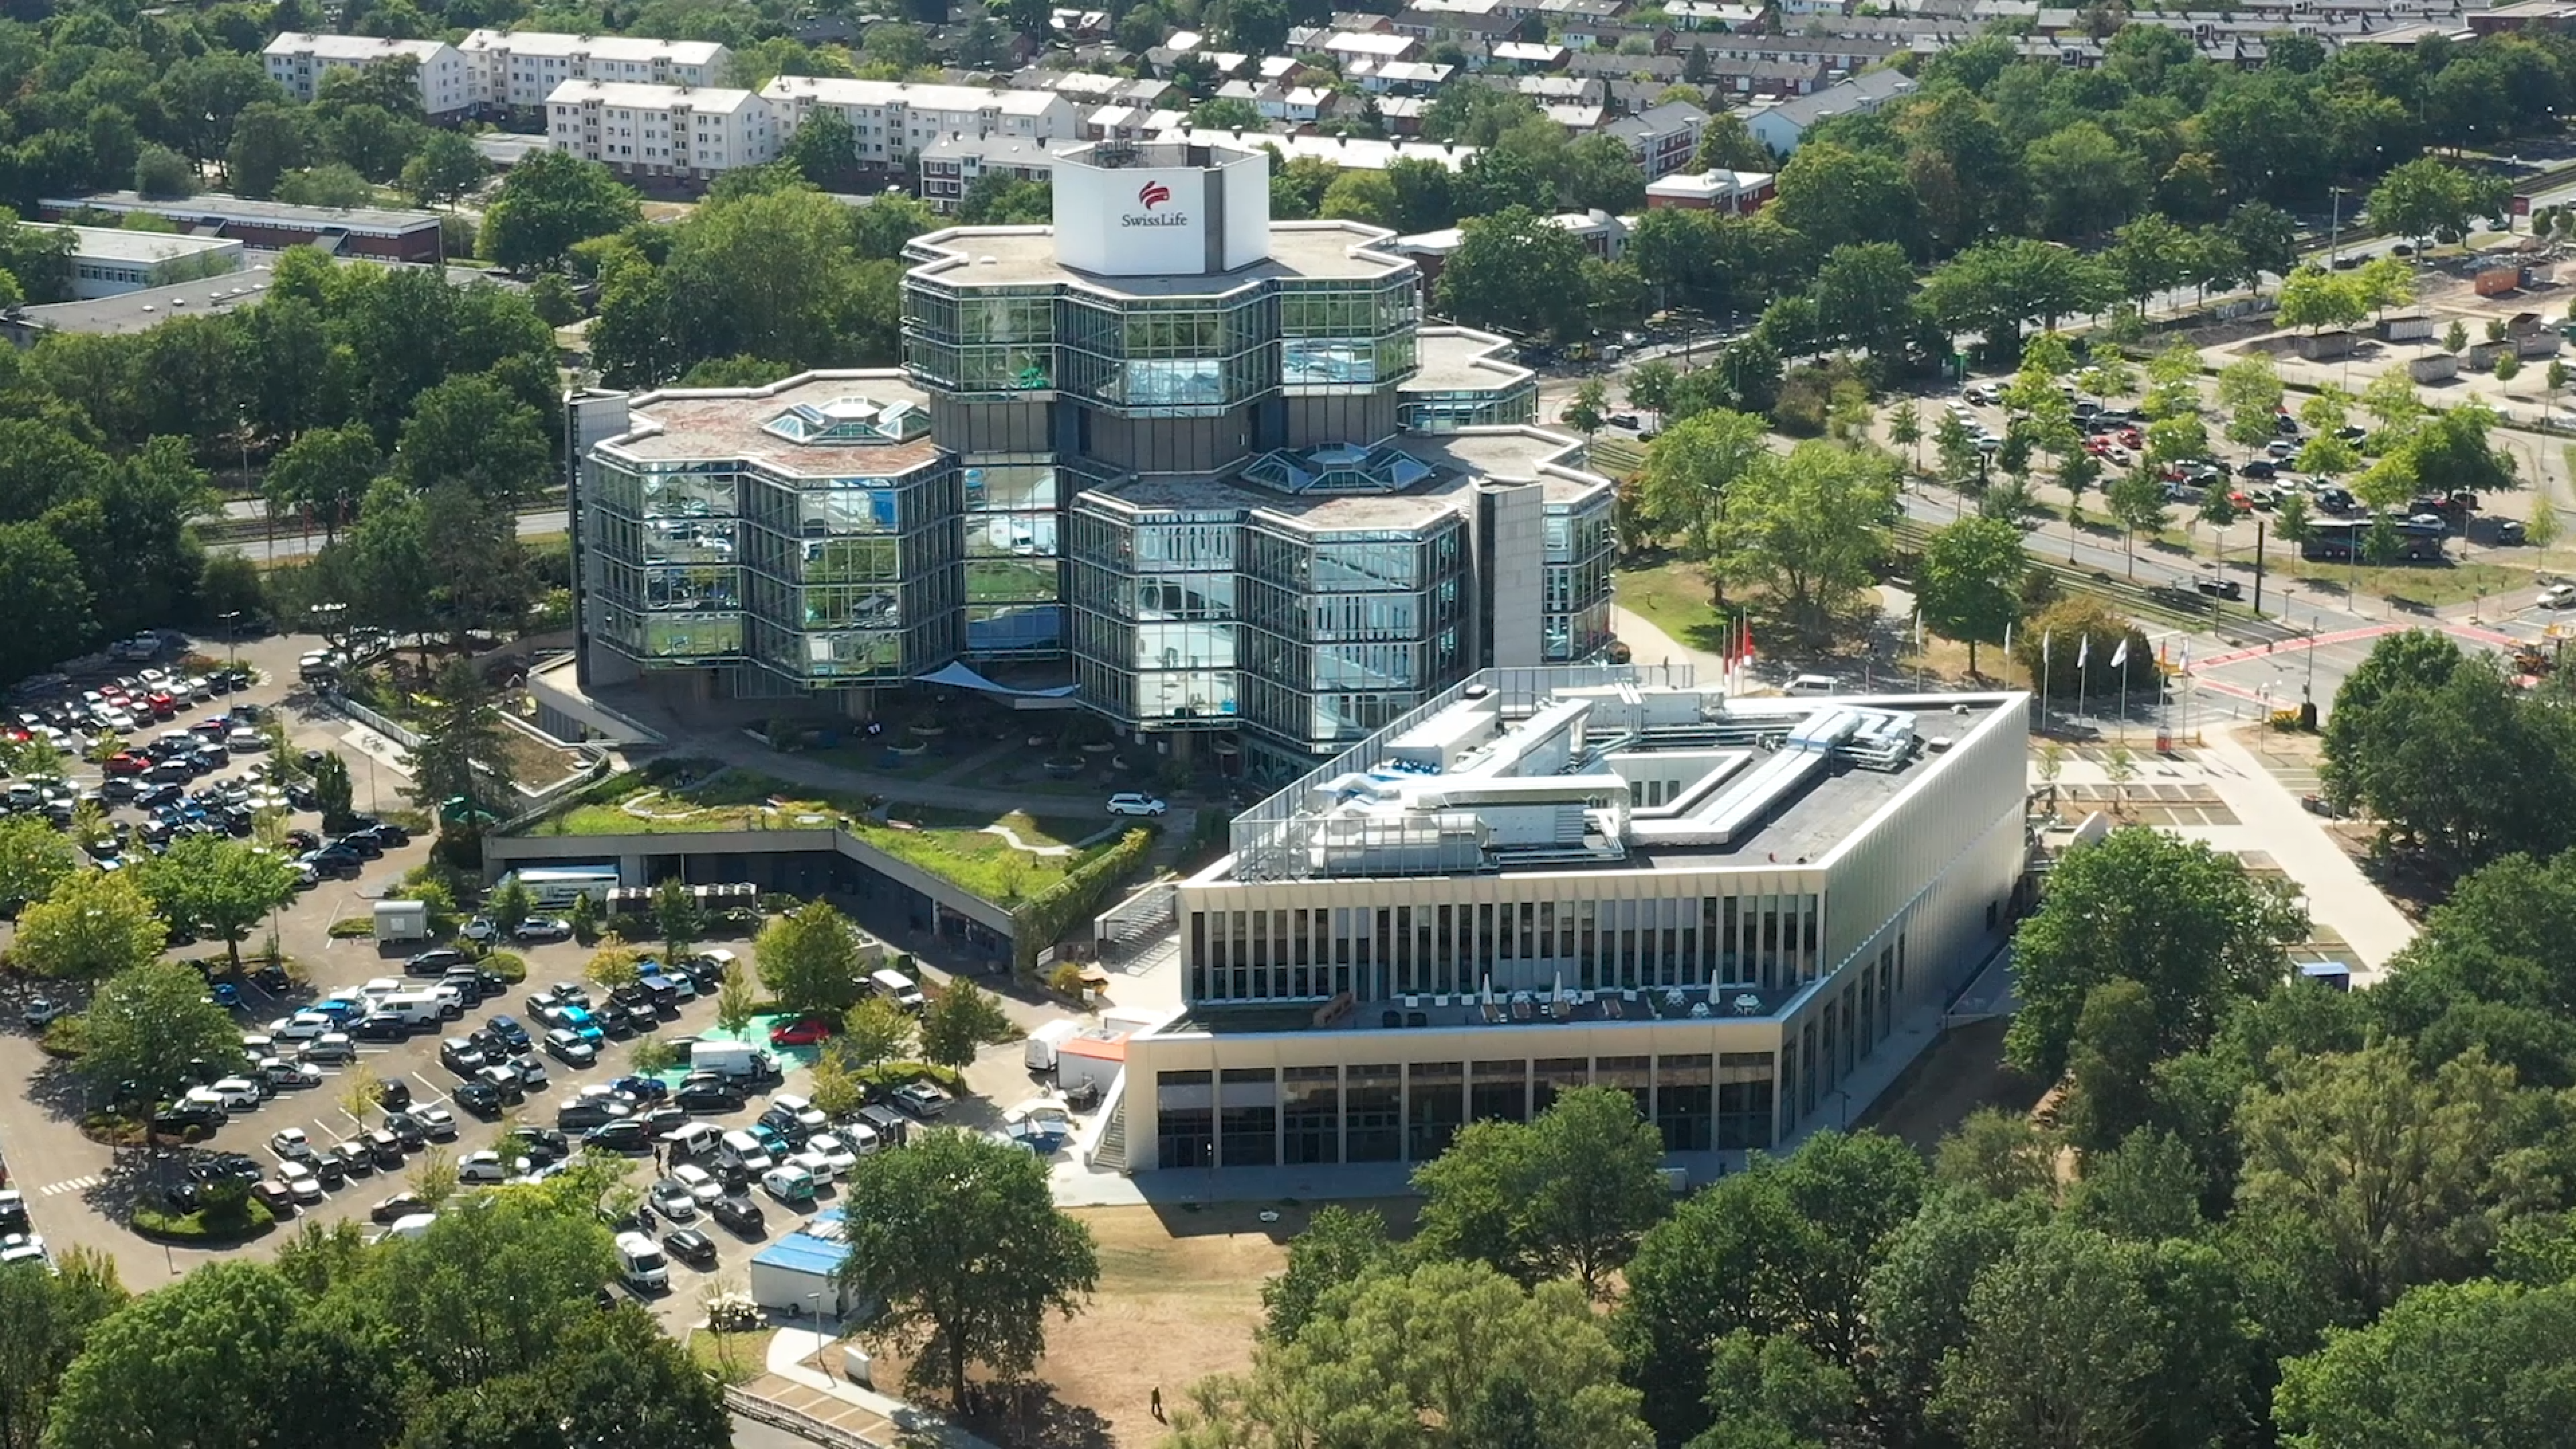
<point x="302" y="1026"/>
<point x="280" y="1072"/>
<point x="290" y="1144"/>
<point x="2558" y="596"/>
<point x="483" y="1167"/>
<point x="544" y="928"/>
<point x="835" y="1154"/>
<point x="44" y="1011"/>
<point x="23" y="1248"/>
<point x="817" y="1165"/>
<point x="808" y="1116"/>
<point x="702" y="1184"/>
<point x="300" y="1181"/>
<point x="1135" y="802"/>
<point x="479" y="929"/>
<point x="239" y="1094"/>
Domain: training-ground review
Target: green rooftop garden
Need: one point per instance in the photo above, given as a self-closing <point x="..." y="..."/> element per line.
<point x="970" y="850"/>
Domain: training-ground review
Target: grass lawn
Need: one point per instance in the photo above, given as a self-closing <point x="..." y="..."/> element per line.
<point x="2455" y="584"/>
<point x="1179" y="1298"/>
<point x="1616" y="456"/>
<point x="952" y="844"/>
<point x="734" y="1358"/>
<point x="1674" y="597"/>
<point x="988" y="865"/>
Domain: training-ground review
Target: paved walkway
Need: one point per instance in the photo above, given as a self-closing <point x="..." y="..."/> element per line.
<point x="803" y="1379"/>
<point x="2271" y="820"/>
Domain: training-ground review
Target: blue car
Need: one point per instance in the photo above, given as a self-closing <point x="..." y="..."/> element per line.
<point x="227" y="995"/>
<point x="507" y="1028"/>
<point x="578" y="1022"/>
<point x="642" y="1089"/>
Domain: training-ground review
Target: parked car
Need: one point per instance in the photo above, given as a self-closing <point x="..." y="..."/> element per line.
<point x="536" y="929"/>
<point x="1135" y="802"/>
<point x="738" y="1213"/>
<point x="400" y="1205"/>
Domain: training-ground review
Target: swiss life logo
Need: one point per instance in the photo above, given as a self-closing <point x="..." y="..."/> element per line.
<point x="1150" y="195"/>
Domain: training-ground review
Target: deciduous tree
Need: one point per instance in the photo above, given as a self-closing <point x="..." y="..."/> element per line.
<point x="1446" y="1343"/>
<point x="220" y="887"/>
<point x="960" y="1239"/>
<point x="962" y="1020"/>
<point x="1971" y="584"/>
<point x="90" y="926"/>
<point x="148" y="1022"/>
<point x="809" y="960"/>
<point x="2180" y="919"/>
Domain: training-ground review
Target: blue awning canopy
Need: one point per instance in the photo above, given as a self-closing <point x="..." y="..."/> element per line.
<point x="961" y="676"/>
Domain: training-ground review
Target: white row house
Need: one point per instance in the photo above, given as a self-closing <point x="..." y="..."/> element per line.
<point x="298" y="61"/>
<point x="893" y="120"/>
<point x="523" y="68"/>
<point x="687" y="132"/>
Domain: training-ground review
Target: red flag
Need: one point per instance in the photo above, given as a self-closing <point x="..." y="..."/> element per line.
<point x="1748" y="638"/>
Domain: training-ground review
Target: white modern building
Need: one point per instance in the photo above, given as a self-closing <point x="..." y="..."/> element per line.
<point x="520" y="69"/>
<point x="1742" y="910"/>
<point x="298" y="61"/>
<point x="108" y="262"/>
<point x="681" y="132"/>
<point x="892" y="121"/>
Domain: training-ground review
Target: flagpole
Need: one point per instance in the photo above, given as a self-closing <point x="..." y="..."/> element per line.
<point x="2083" y="657"/>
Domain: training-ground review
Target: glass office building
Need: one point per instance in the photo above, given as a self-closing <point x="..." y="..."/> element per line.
<point x="1208" y="469"/>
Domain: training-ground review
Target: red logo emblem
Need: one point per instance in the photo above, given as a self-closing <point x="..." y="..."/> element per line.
<point x="1153" y="194"/>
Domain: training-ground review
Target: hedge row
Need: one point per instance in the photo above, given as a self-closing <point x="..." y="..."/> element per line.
<point x="1085" y="892"/>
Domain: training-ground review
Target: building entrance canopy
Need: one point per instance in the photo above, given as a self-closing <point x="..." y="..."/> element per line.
<point x="960" y="676"/>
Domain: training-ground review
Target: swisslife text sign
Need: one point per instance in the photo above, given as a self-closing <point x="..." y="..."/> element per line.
<point x="1135" y="222"/>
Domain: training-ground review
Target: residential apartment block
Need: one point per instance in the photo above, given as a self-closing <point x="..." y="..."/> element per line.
<point x="680" y="132"/>
<point x="520" y="69"/>
<point x="298" y="61"/>
<point x="892" y="121"/>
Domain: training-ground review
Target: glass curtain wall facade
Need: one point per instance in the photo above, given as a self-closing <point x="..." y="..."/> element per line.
<point x="1409" y="1112"/>
<point x="1575" y="617"/>
<point x="1765" y="941"/>
<point x="1342" y="632"/>
<point x="791" y="582"/>
<point x="1154" y="616"/>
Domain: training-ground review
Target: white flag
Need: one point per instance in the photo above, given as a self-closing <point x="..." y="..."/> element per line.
<point x="2185" y="666"/>
<point x="2047" y="647"/>
<point x="2083" y="651"/>
<point x="2007" y="641"/>
<point x="2120" y="656"/>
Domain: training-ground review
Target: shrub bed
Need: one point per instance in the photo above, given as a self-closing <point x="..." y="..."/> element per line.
<point x="252" y="1220"/>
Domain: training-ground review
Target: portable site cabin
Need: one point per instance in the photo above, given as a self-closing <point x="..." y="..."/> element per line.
<point x="402" y="920"/>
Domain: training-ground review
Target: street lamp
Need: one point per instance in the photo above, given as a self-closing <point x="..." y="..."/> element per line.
<point x="231" y="620"/>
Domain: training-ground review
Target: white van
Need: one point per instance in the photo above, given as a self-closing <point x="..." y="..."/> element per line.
<point x="695" y="1140"/>
<point x="791" y="1185"/>
<point x="742" y="1150"/>
<point x="905" y="991"/>
<point x="411" y="1008"/>
<point x="641" y="1263"/>
<point x="1815" y="684"/>
<point x="413" y="1226"/>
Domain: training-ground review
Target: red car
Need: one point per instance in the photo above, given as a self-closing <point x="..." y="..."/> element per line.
<point x="804" y="1031"/>
<point x="2132" y="438"/>
<point x="129" y="763"/>
<point x="163" y="706"/>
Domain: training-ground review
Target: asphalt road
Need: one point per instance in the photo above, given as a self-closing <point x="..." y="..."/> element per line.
<point x="292" y="543"/>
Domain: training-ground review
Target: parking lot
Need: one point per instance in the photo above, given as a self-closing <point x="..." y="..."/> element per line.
<point x="81" y="1192"/>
